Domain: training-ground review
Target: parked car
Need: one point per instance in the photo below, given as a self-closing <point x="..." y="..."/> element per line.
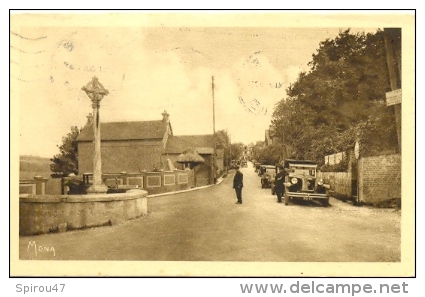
<point x="261" y="170"/>
<point x="257" y="166"/>
<point x="244" y="164"/>
<point x="234" y="164"/>
<point x="301" y="182"/>
<point x="267" y="173"/>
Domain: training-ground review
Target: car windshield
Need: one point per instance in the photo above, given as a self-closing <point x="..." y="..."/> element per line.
<point x="303" y="170"/>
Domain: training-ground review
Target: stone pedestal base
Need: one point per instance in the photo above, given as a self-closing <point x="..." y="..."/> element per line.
<point x="97" y="189"/>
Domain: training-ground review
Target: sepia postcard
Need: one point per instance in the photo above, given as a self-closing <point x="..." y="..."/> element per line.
<point x="212" y="143"/>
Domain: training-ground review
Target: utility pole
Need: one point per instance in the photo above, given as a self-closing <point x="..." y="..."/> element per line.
<point x="230" y="140"/>
<point x="213" y="104"/>
<point x="393" y="53"/>
<point x="215" y="150"/>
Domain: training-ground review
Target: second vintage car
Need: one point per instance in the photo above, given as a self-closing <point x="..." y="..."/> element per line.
<point x="267" y="172"/>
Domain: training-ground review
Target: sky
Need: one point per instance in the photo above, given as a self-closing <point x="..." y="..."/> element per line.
<point x="151" y="67"/>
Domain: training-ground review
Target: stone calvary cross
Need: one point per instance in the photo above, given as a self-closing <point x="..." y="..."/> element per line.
<point x="95" y="91"/>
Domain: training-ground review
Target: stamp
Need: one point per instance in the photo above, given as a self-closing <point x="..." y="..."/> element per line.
<point x="254" y="106"/>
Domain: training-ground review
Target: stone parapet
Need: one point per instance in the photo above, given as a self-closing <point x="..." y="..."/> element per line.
<point x="40" y="214"/>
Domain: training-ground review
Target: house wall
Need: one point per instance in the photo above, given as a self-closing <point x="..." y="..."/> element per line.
<point x="202" y="175"/>
<point x="220" y="163"/>
<point x="276" y="140"/>
<point x="203" y="171"/>
<point x="379" y="178"/>
<point x="118" y="156"/>
<point x="173" y="158"/>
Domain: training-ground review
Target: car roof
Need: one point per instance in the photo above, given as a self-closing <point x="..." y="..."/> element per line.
<point x="267" y="166"/>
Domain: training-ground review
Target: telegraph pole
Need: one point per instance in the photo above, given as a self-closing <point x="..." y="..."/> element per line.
<point x="213" y="104"/>
<point x="393" y="53"/>
<point x="230" y="146"/>
<point x="215" y="150"/>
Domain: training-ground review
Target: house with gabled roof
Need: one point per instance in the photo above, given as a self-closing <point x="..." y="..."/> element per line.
<point x="143" y="146"/>
<point x="272" y="137"/>
<point x="125" y="146"/>
<point x="203" y="145"/>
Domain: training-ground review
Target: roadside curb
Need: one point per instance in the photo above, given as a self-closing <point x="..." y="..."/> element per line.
<point x="219" y="181"/>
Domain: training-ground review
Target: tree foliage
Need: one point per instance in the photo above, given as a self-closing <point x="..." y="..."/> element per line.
<point x="67" y="159"/>
<point x="232" y="151"/>
<point x="222" y="141"/>
<point x="256" y="150"/>
<point x="269" y="155"/>
<point x="340" y="99"/>
<point x="236" y="150"/>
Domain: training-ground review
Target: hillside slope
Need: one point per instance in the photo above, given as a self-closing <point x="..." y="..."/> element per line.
<point x="30" y="166"/>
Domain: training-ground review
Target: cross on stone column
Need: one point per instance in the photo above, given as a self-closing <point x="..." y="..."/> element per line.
<point x="95" y="91"/>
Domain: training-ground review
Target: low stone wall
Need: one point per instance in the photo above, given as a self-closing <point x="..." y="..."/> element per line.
<point x="33" y="186"/>
<point x="152" y="182"/>
<point x="39" y="214"/>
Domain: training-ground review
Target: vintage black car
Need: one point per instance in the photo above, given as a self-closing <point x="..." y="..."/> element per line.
<point x="257" y="166"/>
<point x="267" y="172"/>
<point x="301" y="182"/>
<point x="234" y="164"/>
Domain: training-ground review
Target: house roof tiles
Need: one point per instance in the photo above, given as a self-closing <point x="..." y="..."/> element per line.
<point x="204" y="144"/>
<point x="125" y="131"/>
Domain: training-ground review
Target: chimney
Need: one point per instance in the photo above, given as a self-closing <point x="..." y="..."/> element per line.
<point x="90" y="119"/>
<point x="165" y="117"/>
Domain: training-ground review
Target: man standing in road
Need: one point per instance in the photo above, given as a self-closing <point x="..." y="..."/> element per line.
<point x="238" y="185"/>
<point x="279" y="183"/>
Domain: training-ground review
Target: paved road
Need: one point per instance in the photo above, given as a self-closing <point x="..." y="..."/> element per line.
<point x="207" y="225"/>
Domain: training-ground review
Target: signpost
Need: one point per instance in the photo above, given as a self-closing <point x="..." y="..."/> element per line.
<point x="393" y="97"/>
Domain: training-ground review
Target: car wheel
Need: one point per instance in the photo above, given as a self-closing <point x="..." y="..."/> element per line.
<point x="325" y="202"/>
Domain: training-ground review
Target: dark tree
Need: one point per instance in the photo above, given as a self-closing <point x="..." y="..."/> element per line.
<point x="222" y="141"/>
<point x="66" y="161"/>
<point x="270" y="155"/>
<point x="236" y="150"/>
<point x="343" y="94"/>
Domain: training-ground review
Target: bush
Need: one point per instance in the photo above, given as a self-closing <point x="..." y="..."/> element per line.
<point x="340" y="167"/>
